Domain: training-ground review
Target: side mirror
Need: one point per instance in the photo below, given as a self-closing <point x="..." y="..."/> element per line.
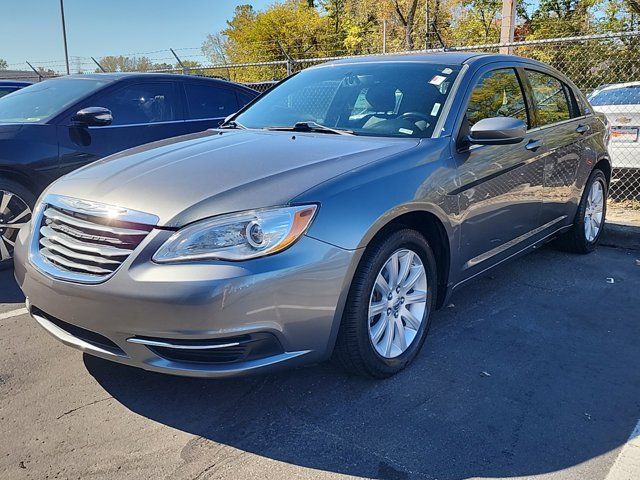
<point x="498" y="131"/>
<point x="93" y="117"/>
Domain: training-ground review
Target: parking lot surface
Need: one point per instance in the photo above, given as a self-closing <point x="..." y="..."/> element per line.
<point x="531" y="371"/>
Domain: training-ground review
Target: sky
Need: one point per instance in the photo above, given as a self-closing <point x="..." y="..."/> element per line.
<point x="31" y="29"/>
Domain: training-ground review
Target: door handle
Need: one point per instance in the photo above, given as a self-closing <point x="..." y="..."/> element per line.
<point x="582" y="129"/>
<point x="533" y="145"/>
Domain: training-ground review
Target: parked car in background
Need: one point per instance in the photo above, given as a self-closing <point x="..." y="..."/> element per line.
<point x="621" y="105"/>
<point x="10" y="86"/>
<point x="330" y="217"/>
<point x="53" y="127"/>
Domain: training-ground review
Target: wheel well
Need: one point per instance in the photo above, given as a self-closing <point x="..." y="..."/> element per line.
<point x="433" y="230"/>
<point x="605" y="166"/>
<point x="21" y="179"/>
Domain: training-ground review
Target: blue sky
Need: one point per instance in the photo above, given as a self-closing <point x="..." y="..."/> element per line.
<point x="31" y="29"/>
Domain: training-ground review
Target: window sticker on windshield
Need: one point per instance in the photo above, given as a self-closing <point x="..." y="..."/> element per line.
<point x="447" y="71"/>
<point x="435" y="109"/>
<point x="406" y="131"/>
<point x="437" y="80"/>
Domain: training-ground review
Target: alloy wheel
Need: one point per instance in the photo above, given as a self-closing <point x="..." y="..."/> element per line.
<point x="397" y="304"/>
<point x="594" y="211"/>
<point x="14" y="214"/>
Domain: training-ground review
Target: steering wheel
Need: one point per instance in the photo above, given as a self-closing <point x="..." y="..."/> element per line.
<point x="416" y="115"/>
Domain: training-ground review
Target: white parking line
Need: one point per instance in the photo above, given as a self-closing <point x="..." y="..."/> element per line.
<point x="13" y="313"/>
<point x="627" y="465"/>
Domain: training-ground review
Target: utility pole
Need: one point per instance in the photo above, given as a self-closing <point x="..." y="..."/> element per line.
<point x="64" y="36"/>
<point x="427" y="23"/>
<point x="384" y="36"/>
<point x="508" y="24"/>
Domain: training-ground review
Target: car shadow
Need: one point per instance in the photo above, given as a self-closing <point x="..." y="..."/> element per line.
<point x="515" y="379"/>
<point x="9" y="290"/>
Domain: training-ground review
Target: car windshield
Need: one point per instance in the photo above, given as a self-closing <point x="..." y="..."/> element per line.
<point x="40" y="101"/>
<point x="629" y="95"/>
<point x="392" y="99"/>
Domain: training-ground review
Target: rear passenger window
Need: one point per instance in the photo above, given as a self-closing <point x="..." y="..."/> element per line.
<point x="551" y="98"/>
<point x="206" y="101"/>
<point x="497" y="94"/>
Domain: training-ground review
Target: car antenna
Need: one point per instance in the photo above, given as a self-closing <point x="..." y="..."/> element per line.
<point x="435" y="30"/>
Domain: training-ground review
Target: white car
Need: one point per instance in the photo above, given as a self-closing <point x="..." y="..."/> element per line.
<point x="621" y="104"/>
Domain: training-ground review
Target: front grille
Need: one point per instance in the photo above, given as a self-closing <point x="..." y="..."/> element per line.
<point x="86" y="245"/>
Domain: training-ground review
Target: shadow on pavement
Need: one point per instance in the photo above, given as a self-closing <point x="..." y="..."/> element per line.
<point x="10" y="292"/>
<point x="531" y="371"/>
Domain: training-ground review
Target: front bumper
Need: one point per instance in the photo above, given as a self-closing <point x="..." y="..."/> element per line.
<point x="292" y="300"/>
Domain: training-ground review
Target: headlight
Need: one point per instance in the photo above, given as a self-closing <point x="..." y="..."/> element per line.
<point x="238" y="236"/>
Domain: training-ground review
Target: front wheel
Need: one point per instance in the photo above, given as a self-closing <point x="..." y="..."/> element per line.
<point x="16" y="203"/>
<point x="388" y="309"/>
<point x="589" y="221"/>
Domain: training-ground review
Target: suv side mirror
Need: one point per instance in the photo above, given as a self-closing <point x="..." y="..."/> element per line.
<point x="93" y="117"/>
<point x="498" y="131"/>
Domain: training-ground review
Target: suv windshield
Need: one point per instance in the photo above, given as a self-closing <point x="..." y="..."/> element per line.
<point x="392" y="99"/>
<point x="38" y="102"/>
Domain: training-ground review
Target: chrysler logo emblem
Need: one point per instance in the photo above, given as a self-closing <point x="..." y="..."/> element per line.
<point x="95" y="208"/>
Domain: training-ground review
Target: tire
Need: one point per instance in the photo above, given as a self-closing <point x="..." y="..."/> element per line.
<point x="14" y="198"/>
<point x="580" y="239"/>
<point x="355" y="350"/>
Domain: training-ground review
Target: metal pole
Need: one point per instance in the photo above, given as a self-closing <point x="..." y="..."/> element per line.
<point x="508" y="24"/>
<point x="37" y="72"/>
<point x="98" y="64"/>
<point x="427" y="24"/>
<point x="185" y="70"/>
<point x="287" y="57"/>
<point x="384" y="36"/>
<point x="64" y="36"/>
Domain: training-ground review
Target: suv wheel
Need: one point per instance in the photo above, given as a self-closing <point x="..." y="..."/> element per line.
<point x="16" y="203"/>
<point x="388" y="309"/>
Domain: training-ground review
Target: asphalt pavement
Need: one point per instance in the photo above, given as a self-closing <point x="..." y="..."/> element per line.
<point x="531" y="371"/>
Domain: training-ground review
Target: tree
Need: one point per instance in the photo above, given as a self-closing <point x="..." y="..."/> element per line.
<point x="122" y="63"/>
<point x="3" y="64"/>
<point x="406" y="12"/>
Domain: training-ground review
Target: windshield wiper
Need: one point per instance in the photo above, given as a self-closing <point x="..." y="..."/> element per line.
<point x="312" y="127"/>
<point x="232" y="124"/>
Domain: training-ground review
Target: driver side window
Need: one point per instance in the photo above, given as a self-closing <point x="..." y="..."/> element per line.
<point x="497" y="94"/>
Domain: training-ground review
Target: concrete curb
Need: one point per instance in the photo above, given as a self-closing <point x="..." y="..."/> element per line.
<point x="621" y="235"/>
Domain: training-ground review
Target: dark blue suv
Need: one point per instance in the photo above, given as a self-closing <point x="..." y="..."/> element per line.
<point x="53" y="127"/>
<point x="10" y="86"/>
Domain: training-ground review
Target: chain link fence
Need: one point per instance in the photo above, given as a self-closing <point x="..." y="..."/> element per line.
<point x="605" y="67"/>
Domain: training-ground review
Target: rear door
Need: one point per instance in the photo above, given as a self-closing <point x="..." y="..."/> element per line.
<point x="207" y="104"/>
<point x="142" y="111"/>
<point x="500" y="186"/>
<point x="563" y="128"/>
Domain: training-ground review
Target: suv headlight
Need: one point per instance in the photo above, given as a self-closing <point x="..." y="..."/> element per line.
<point x="239" y="236"/>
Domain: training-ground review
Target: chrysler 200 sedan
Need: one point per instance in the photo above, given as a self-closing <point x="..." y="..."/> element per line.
<point x="331" y="217"/>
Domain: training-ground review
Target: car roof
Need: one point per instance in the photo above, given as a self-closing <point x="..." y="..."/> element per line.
<point x="14" y="83"/>
<point x="122" y="76"/>
<point x="613" y="86"/>
<point x="451" y="58"/>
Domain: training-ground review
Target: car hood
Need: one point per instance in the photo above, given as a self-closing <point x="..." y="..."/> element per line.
<point x="188" y="178"/>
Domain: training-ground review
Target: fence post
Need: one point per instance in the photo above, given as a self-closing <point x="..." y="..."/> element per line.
<point x="98" y="64"/>
<point x="37" y="72"/>
<point x="185" y="70"/>
<point x="507" y="27"/>
<point x="290" y="61"/>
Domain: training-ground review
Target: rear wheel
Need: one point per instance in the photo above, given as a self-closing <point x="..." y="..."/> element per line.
<point x="16" y="204"/>
<point x="589" y="221"/>
<point x="387" y="315"/>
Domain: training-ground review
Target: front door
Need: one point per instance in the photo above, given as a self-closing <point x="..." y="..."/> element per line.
<point x="142" y="113"/>
<point x="499" y="186"/>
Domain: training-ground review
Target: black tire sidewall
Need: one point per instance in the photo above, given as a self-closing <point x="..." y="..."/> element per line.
<point x="371" y="266"/>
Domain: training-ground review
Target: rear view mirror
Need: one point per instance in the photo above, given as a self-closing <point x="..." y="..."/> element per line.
<point x="93" y="117"/>
<point x="498" y="131"/>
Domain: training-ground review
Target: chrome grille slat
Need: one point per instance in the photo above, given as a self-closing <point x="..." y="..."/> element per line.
<point x="70" y="242"/>
<point x="52" y="246"/>
<point x="59" y="216"/>
<point x="49" y="255"/>
<point x="85" y="241"/>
